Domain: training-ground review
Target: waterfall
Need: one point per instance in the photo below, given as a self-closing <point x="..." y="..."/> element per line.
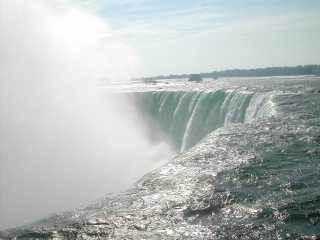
<point x="185" y="117"/>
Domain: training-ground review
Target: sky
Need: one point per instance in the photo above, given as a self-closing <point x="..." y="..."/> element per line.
<point x="175" y="36"/>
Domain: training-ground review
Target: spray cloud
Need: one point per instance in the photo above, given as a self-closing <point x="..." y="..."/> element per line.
<point x="62" y="142"/>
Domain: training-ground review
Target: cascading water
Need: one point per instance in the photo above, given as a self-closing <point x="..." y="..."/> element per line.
<point x="186" y="117"/>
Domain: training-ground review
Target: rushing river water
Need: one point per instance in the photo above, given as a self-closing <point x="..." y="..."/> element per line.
<point x="247" y="166"/>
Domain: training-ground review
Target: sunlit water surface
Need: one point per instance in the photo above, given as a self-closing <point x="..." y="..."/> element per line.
<point x="247" y="165"/>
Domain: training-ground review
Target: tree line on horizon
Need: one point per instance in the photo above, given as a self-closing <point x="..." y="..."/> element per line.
<point x="257" y="72"/>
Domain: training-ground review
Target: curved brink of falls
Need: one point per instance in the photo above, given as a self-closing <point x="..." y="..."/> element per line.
<point x="186" y="117"/>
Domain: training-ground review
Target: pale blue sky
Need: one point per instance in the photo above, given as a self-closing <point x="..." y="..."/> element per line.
<point x="197" y="36"/>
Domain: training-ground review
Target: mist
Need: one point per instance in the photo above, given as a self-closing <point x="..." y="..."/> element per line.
<point x="64" y="141"/>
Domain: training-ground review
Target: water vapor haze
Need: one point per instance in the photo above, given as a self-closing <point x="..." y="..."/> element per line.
<point x="63" y="142"/>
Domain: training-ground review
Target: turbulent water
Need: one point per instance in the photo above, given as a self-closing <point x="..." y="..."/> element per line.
<point x="248" y="166"/>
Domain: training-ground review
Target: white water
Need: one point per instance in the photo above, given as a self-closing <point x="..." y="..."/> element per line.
<point x="194" y="105"/>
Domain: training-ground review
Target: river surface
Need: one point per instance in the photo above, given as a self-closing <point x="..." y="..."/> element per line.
<point x="247" y="166"/>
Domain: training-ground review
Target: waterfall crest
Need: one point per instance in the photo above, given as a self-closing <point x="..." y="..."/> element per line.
<point x="185" y="117"/>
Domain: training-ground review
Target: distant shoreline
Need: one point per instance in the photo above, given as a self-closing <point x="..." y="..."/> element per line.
<point x="257" y="72"/>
